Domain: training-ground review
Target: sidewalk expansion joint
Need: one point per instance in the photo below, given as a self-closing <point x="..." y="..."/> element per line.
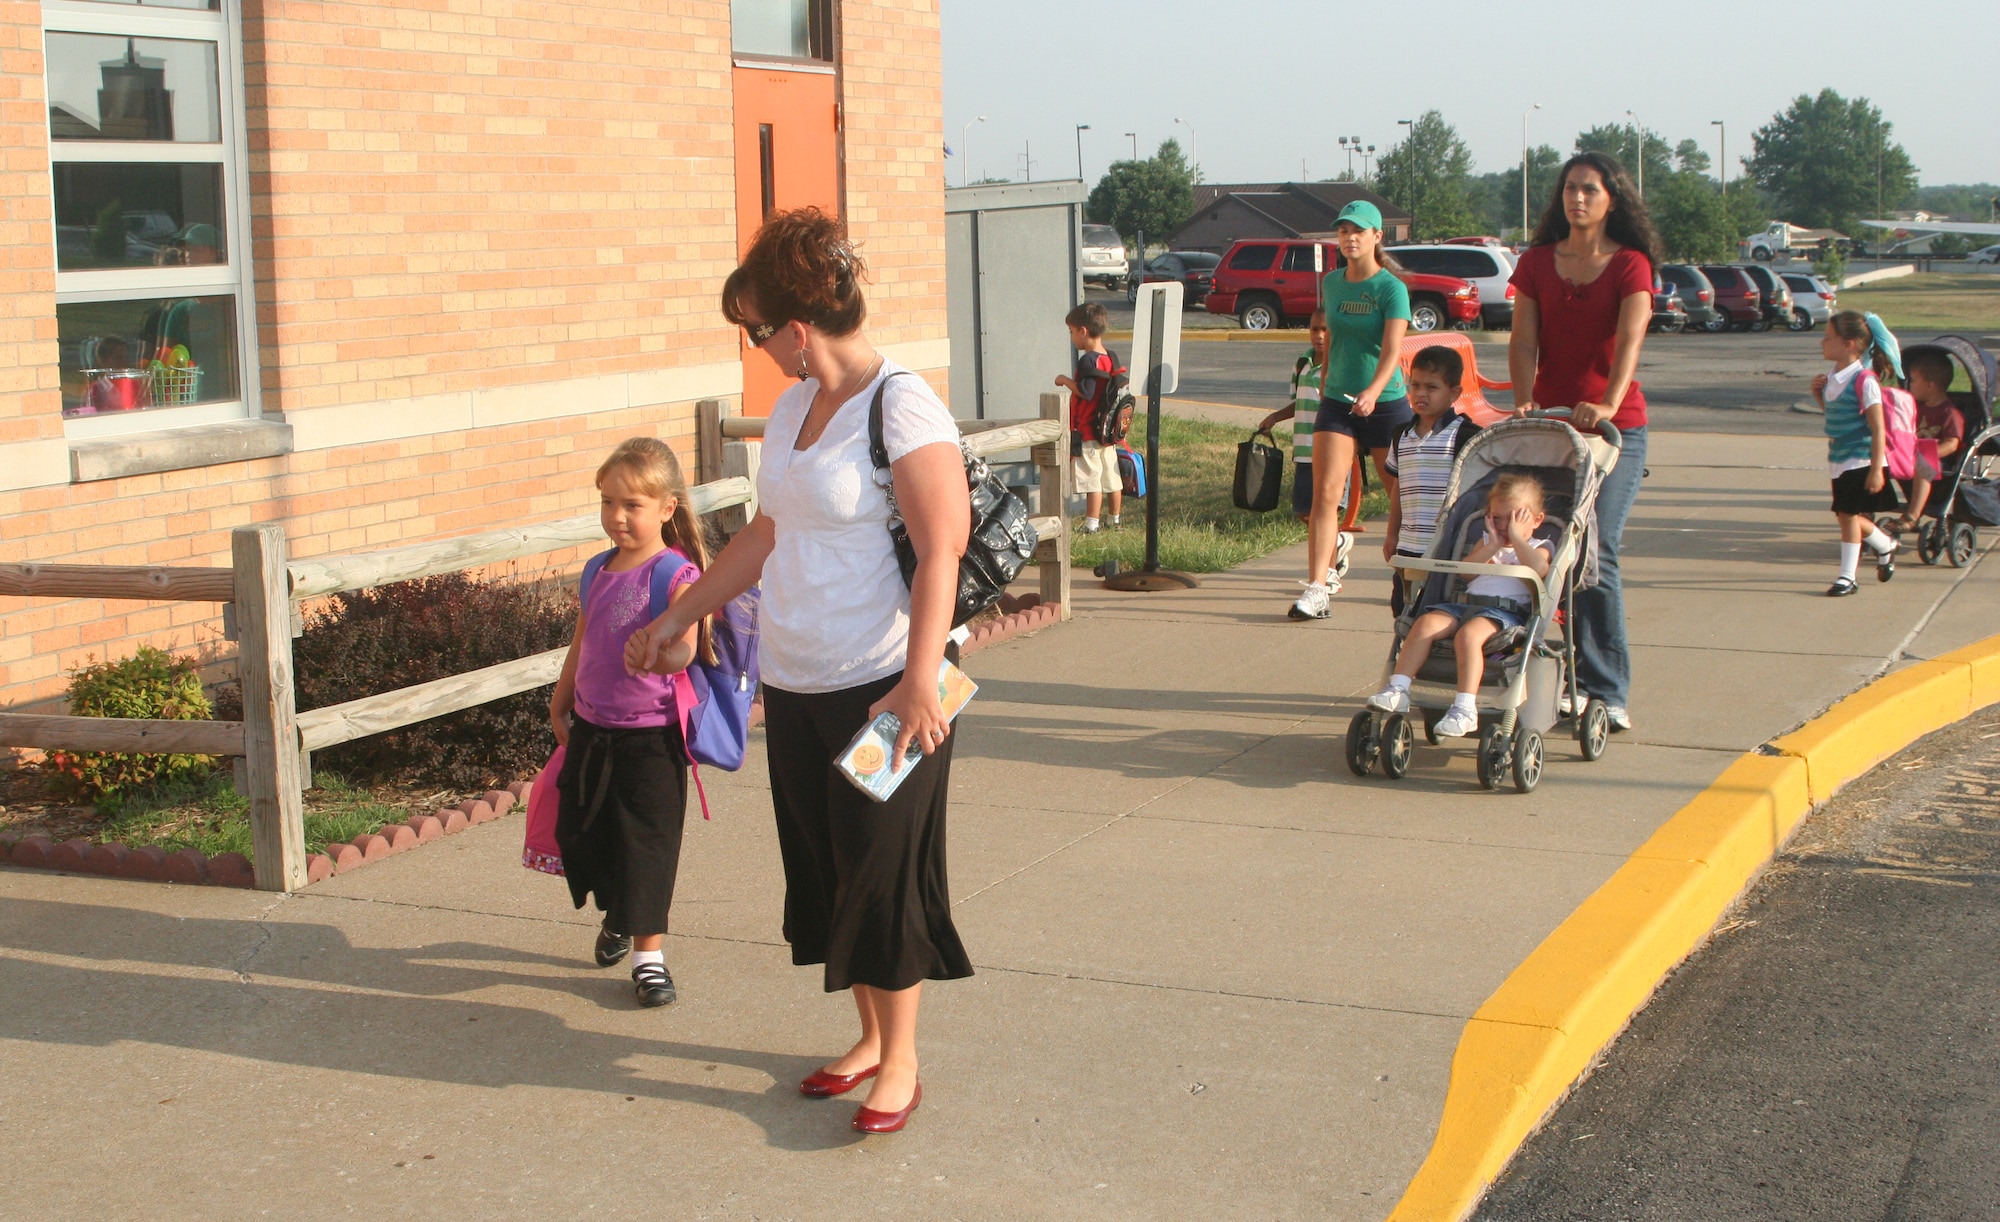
<point x="1366" y="835"/>
<point x="1242" y="996"/>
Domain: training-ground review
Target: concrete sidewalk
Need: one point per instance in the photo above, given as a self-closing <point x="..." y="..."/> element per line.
<point x="1216" y="972"/>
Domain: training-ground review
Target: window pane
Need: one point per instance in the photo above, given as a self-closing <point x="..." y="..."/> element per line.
<point x="1253" y="258"/>
<point x="773" y="27"/>
<point x="104" y="87"/>
<point x="1299" y="258"/>
<point x="205" y="5"/>
<point x="157" y="352"/>
<point x="124" y="214"/>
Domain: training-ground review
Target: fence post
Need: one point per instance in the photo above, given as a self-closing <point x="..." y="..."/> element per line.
<point x="270" y="725"/>
<point x="1053" y="461"/>
<point x="741" y="458"/>
<point x="708" y="414"/>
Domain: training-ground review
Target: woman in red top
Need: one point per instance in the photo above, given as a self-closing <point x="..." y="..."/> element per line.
<point x="1584" y="297"/>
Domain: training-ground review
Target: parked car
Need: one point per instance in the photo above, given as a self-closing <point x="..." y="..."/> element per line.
<point x="1269" y="283"/>
<point x="1813" y="300"/>
<point x="1669" y="315"/>
<point x="1193" y="268"/>
<point x="1103" y="257"/>
<point x="1985" y="254"/>
<point x="1773" y="294"/>
<point x="1481" y="240"/>
<point x="1737" y="297"/>
<point x="1697" y="296"/>
<point x="1487" y="267"/>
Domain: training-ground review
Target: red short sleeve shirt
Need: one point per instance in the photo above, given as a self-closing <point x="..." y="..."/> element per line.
<point x="1579" y="329"/>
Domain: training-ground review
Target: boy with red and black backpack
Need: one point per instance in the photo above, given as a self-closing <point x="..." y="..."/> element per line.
<point x="1100" y="414"/>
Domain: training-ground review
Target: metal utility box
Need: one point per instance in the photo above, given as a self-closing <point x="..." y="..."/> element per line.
<point x="1012" y="270"/>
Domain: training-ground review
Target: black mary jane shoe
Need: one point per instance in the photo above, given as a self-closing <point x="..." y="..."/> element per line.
<point x="652" y="985"/>
<point x="1841" y="588"/>
<point x="611" y="947"/>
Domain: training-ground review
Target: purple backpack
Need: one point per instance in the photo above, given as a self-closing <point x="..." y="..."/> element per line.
<point x="712" y="698"/>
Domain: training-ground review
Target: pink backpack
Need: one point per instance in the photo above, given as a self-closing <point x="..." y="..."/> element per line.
<point x="1899" y="432"/>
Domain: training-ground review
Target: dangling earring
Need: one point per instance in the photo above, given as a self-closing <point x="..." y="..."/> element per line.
<point x="802" y="365"/>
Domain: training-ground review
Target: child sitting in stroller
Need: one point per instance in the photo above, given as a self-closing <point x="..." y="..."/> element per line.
<point x="1491" y="604"/>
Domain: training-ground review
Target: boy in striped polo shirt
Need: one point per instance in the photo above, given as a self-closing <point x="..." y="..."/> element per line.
<point x="1420" y="458"/>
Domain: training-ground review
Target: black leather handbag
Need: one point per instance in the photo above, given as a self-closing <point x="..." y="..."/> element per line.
<point x="1260" y="467"/>
<point x="1002" y="539"/>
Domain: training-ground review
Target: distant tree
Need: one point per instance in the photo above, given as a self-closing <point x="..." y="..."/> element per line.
<point x="1621" y="141"/>
<point x="991" y="182"/>
<point x="1543" y="160"/>
<point x="1689" y="156"/>
<point x="1829" y="161"/>
<point x="1950" y="246"/>
<point x="1426" y="176"/>
<point x="1959" y="201"/>
<point x="1152" y="196"/>
<point x="1693" y="223"/>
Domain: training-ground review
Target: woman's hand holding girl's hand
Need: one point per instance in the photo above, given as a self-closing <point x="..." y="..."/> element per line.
<point x="644" y="648"/>
<point x="915" y="704"/>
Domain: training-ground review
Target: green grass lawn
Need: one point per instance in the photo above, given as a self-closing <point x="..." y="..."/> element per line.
<point x="1200" y="530"/>
<point x="214" y="818"/>
<point x="1927" y="303"/>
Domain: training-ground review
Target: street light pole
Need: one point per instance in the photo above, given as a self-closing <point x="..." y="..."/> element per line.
<point x="1194" y="146"/>
<point x="1135" y="144"/>
<point x="964" y="142"/>
<point x="1349" y="152"/>
<point x="1410" y="173"/>
<point x="1640" y="145"/>
<point x="1365" y="155"/>
<point x="1722" y="157"/>
<point x="1524" y="168"/>
<point x="1080" y="129"/>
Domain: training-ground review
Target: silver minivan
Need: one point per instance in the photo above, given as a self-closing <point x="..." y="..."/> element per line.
<point x="1103" y="257"/>
<point x="1488" y="267"/>
<point x="1813" y="301"/>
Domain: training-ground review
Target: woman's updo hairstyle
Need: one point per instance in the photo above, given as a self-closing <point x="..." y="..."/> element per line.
<point x="800" y="268"/>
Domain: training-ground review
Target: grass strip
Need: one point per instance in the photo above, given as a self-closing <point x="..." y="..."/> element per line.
<point x="1929" y="303"/>
<point x="1201" y="531"/>
<point x="212" y="817"/>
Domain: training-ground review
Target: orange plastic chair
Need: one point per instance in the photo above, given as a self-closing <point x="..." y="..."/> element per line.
<point x="1472" y="402"/>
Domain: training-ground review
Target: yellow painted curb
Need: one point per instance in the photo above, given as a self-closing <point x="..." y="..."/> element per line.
<point x="1527" y="1045"/>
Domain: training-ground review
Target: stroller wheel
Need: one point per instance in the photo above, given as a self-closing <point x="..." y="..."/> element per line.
<point x="1493" y="756"/>
<point x="1362" y="744"/>
<point x="1930" y="541"/>
<point x="1395" y="746"/>
<point x="1963" y="542"/>
<point x="1527" y="761"/>
<point x="1593" y="729"/>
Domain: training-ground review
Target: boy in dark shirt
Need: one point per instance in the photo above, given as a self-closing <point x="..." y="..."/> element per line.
<point x="1093" y="466"/>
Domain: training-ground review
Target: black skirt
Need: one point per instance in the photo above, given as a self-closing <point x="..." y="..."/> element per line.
<point x="865" y="886"/>
<point x="623" y="806"/>
<point x="1851" y="495"/>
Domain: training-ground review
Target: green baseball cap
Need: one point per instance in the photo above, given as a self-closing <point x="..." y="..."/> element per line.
<point x="1361" y="213"/>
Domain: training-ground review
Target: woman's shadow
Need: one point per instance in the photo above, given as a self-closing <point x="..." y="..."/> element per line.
<point x="264" y="993"/>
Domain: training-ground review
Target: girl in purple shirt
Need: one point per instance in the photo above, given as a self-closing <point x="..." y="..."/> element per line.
<point x="623" y="786"/>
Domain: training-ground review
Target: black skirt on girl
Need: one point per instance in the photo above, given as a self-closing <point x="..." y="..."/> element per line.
<point x="623" y="806"/>
<point x="865" y="886"/>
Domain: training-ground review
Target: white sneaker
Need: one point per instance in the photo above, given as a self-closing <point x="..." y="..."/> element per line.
<point x="1343" y="544"/>
<point x="1316" y="602"/>
<point x="1621" y="720"/>
<point x="1391" y="699"/>
<point x="1457" y="722"/>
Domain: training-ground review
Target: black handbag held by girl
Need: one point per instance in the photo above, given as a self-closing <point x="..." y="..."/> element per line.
<point x="1260" y="468"/>
<point x="1002" y="540"/>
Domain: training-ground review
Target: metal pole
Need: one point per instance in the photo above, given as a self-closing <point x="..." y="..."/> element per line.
<point x="1080" y="129"/>
<point x="1153" y="431"/>
<point x="964" y="142"/>
<point x="1640" y="147"/>
<point x="1524" y="168"/>
<point x="1410" y="172"/>
<point x="1722" y="167"/>
<point x="1135" y="144"/>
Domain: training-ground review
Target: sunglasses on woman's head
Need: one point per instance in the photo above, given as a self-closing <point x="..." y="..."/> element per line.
<point x="759" y="332"/>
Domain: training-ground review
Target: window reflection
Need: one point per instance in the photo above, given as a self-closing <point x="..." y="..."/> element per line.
<point x="788" y="29"/>
<point x="108" y="87"/>
<point x="119" y="356"/>
<point x="126" y="214"/>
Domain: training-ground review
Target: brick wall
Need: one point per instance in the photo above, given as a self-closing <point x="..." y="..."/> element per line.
<point x="488" y="240"/>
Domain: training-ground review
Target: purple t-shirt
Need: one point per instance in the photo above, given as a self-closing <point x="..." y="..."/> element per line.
<point x="620" y="605"/>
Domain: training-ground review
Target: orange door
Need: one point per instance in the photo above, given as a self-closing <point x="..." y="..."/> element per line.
<point x="787" y="143"/>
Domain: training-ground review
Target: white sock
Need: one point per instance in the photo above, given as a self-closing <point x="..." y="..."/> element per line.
<point x="649" y="956"/>
<point x="1114" y="519"/>
<point x="1466" y="701"/>
<point x="1399" y="683"/>
<point x="1879" y="542"/>
<point x="1090" y="523"/>
<point x="1850" y="559"/>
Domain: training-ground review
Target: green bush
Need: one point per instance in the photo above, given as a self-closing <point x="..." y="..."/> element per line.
<point x="150" y="684"/>
<point x="1831" y="266"/>
<point x="372" y="641"/>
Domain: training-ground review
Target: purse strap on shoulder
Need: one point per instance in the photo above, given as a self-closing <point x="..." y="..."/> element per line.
<point x="877" y="451"/>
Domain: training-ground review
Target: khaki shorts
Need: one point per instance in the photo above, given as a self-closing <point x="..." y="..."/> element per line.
<point x="1096" y="469"/>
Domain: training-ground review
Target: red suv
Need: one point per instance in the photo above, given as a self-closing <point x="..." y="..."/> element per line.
<point x="1268" y="282"/>
<point x="1736" y="297"/>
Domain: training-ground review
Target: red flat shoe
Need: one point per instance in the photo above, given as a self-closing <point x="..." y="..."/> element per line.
<point x="823" y="1085"/>
<point x="868" y="1120"/>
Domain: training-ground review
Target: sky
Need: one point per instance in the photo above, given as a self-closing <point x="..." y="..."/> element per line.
<point x="1268" y="86"/>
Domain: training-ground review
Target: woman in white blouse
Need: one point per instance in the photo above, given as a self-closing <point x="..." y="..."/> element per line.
<point x="843" y="639"/>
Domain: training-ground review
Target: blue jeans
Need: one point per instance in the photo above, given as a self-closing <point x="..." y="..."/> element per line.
<point x="1603" y="660"/>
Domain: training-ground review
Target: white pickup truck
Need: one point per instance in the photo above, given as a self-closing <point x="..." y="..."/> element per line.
<point x="1784" y="238"/>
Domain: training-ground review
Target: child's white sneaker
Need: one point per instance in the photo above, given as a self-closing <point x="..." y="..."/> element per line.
<point x="1457" y="722"/>
<point x="1391" y="699"/>
<point x="1316" y="602"/>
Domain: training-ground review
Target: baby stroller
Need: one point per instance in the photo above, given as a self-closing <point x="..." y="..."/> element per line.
<point x="1966" y="495"/>
<point x="1528" y="669"/>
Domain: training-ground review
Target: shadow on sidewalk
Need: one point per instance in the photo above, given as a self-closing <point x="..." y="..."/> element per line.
<point x="390" y="1012"/>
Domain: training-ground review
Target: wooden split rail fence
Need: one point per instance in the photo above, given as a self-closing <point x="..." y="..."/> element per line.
<point x="263" y="586"/>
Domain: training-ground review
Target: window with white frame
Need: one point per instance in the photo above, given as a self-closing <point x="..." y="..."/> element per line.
<point x="147" y="168"/>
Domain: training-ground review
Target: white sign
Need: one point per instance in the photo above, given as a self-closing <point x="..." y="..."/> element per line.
<point x="1169" y="337"/>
